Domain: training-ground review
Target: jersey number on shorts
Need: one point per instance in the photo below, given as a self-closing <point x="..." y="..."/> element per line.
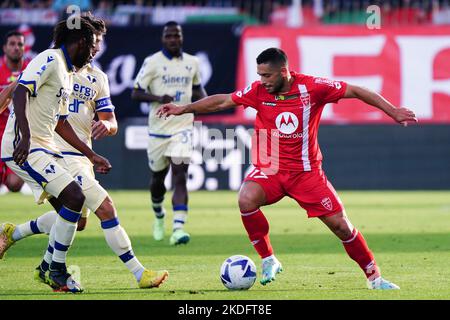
<point x="257" y="174"/>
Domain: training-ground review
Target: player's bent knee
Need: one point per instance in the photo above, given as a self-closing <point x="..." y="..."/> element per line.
<point x="13" y="187"/>
<point x="106" y="211"/>
<point x="14" y="183"/>
<point x="251" y="196"/>
<point x="72" y="196"/>
<point x="340" y="225"/>
<point x="248" y="201"/>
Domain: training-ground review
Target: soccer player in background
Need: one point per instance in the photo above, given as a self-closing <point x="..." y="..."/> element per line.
<point x="90" y="97"/>
<point x="28" y="146"/>
<point x="11" y="65"/>
<point x="289" y="106"/>
<point x="169" y="75"/>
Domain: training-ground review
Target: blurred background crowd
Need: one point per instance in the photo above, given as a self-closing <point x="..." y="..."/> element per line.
<point x="273" y="12"/>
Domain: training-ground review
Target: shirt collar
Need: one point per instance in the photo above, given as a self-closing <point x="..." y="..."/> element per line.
<point x="86" y="67"/>
<point x="169" y="56"/>
<point x="67" y="58"/>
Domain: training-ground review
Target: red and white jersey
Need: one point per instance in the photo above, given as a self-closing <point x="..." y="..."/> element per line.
<point x="7" y="77"/>
<point x="286" y="124"/>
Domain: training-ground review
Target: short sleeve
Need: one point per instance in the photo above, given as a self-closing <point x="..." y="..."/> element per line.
<point x="197" y="80"/>
<point x="329" y="91"/>
<point x="144" y="75"/>
<point x="247" y="97"/>
<point x="38" y="72"/>
<point x="103" y="100"/>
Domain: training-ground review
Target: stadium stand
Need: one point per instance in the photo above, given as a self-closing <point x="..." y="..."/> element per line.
<point x="276" y="12"/>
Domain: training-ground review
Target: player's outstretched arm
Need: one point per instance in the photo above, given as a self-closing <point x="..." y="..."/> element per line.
<point x="400" y="115"/>
<point x="20" y="100"/>
<point x="105" y="126"/>
<point x="65" y="130"/>
<point x="214" y="103"/>
<point x="6" y="96"/>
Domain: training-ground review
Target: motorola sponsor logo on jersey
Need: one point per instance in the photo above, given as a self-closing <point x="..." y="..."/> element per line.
<point x="287" y="124"/>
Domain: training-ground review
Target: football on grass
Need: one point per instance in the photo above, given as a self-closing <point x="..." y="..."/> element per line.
<point x="238" y="273"/>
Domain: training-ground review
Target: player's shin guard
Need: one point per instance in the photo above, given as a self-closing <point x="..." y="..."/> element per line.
<point x="46" y="221"/>
<point x="120" y="243"/>
<point x="358" y="250"/>
<point x="257" y="228"/>
<point x="65" y="228"/>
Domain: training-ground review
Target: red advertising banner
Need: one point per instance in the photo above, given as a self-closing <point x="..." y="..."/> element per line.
<point x="409" y="66"/>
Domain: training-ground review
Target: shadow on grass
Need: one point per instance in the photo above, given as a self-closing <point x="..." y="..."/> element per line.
<point x="230" y="244"/>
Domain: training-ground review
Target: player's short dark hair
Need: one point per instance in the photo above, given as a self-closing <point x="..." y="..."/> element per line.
<point x="98" y="24"/>
<point x="10" y="34"/>
<point x="272" y="56"/>
<point x="171" y="24"/>
<point x="63" y="35"/>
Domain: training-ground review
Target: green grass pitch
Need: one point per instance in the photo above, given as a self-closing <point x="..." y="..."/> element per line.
<point x="409" y="233"/>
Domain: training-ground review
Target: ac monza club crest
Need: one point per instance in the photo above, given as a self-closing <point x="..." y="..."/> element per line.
<point x="327" y="204"/>
<point x="287" y="122"/>
<point x="305" y="99"/>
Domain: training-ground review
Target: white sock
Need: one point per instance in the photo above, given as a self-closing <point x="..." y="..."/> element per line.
<point x="42" y="224"/>
<point x="23" y="230"/>
<point x="179" y="217"/>
<point x="272" y="257"/>
<point x="65" y="228"/>
<point x="46" y="221"/>
<point x="120" y="243"/>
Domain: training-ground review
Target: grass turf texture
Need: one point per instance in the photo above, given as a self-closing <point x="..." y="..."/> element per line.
<point x="407" y="231"/>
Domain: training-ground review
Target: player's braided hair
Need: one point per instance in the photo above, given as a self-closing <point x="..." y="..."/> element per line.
<point x="63" y="35"/>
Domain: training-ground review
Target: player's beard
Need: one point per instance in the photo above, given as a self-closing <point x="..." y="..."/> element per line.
<point x="15" y="59"/>
<point x="278" y="86"/>
<point x="82" y="60"/>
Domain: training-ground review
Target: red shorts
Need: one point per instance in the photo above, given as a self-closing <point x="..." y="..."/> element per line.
<point x="4" y="172"/>
<point x="312" y="191"/>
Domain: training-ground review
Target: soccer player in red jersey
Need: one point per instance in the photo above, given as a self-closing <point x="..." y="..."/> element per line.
<point x="11" y="65"/>
<point x="287" y="157"/>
